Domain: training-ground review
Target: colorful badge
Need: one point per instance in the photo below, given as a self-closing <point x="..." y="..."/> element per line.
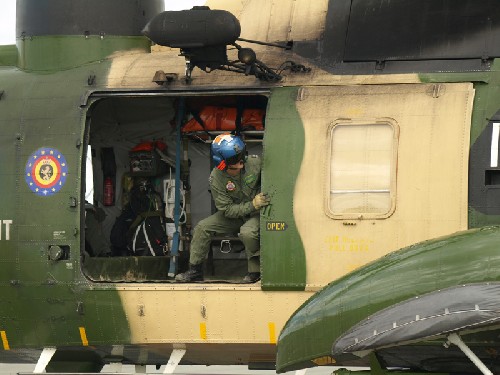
<point x="46" y="171"/>
<point x="230" y="186"/>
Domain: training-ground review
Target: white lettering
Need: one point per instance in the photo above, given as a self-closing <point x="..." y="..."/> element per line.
<point x="7" y="224"/>
<point x="495" y="134"/>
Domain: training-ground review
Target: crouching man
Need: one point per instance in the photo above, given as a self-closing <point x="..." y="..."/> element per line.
<point x="235" y="186"/>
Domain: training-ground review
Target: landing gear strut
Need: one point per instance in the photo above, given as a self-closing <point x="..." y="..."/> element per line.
<point x="456" y="340"/>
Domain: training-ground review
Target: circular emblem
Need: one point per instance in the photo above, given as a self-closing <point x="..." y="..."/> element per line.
<point x="230" y="186"/>
<point x="46" y="171"/>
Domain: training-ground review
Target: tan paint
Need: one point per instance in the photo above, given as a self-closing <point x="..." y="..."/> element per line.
<point x="305" y="14"/>
<point x="136" y="71"/>
<point x="431" y="175"/>
<point x="233" y="6"/>
<point x="277" y="20"/>
<point x="207" y="313"/>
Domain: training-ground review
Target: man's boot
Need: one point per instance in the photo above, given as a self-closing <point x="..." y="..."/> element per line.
<point x="195" y="273"/>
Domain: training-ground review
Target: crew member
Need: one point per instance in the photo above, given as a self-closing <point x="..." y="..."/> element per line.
<point x="235" y="186"/>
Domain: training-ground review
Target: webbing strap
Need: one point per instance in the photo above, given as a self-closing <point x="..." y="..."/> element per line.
<point x="239" y="113"/>
<point x="177" y="205"/>
<point x="187" y="184"/>
<point x="135" y="237"/>
<point x="142" y="216"/>
<point x="147" y="239"/>
<point x="196" y="116"/>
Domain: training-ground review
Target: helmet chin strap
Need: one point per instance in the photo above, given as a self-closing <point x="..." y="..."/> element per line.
<point x="222" y="165"/>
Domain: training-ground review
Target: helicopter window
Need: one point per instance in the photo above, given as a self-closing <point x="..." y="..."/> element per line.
<point x="362" y="169"/>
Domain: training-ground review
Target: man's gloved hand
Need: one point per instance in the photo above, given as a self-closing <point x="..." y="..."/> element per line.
<point x="261" y="200"/>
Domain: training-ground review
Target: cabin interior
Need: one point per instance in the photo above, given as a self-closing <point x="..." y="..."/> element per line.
<point x="130" y="176"/>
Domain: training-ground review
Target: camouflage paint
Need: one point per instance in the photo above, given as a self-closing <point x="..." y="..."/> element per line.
<point x="43" y="110"/>
<point x="282" y="256"/>
<point x="8" y="55"/>
<point x="486" y="104"/>
<point x="52" y="53"/>
<point x="430" y="265"/>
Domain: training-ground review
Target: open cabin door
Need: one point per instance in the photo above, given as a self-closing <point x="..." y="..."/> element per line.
<point x="135" y="145"/>
<point x="356" y="172"/>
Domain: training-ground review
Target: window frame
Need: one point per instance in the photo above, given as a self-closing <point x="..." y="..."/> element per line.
<point x="393" y="172"/>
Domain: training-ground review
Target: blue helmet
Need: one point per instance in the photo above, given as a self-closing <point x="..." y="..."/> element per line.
<point x="229" y="149"/>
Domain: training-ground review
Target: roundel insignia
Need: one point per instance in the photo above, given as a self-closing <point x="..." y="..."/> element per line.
<point x="46" y="171"/>
<point x="230" y="186"/>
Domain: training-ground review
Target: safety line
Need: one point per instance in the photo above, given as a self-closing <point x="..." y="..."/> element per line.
<point x="5" y="342"/>
<point x="272" y="332"/>
<point x="83" y="336"/>
<point x="203" y="331"/>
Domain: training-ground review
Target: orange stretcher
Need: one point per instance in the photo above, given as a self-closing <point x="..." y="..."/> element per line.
<point x="224" y="118"/>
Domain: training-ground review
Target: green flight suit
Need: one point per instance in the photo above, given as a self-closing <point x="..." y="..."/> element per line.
<point x="233" y="198"/>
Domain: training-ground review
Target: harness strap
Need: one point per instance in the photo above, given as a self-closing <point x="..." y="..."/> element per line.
<point x="143" y="215"/>
<point x="135" y="238"/>
<point x="147" y="239"/>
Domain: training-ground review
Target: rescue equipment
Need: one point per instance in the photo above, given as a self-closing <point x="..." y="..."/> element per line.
<point x="140" y="229"/>
<point x="145" y="159"/>
<point x="169" y="199"/>
<point x="109" y="192"/>
<point x="108" y="165"/>
<point x="213" y="118"/>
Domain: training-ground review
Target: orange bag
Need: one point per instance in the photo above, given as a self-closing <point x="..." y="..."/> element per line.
<point x="150" y="146"/>
<point x="224" y="118"/>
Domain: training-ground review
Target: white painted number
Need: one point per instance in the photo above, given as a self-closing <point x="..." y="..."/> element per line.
<point x="7" y="224"/>
<point x="495" y="133"/>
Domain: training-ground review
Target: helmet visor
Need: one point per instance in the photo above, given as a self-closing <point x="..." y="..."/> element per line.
<point x="236" y="158"/>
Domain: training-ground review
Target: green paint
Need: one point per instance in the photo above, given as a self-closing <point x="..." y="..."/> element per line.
<point x="8" y="56"/>
<point x="451" y="77"/>
<point x="45" y="302"/>
<point x="426" y="267"/>
<point x="282" y="252"/>
<point x="478" y="219"/>
<point x="103" y="317"/>
<point x="52" y="53"/>
<point x="487" y="96"/>
<point x="486" y="104"/>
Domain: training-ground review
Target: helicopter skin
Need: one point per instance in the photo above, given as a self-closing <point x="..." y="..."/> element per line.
<point x="418" y="117"/>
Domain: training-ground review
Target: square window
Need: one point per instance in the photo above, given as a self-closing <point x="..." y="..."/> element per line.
<point x="362" y="169"/>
